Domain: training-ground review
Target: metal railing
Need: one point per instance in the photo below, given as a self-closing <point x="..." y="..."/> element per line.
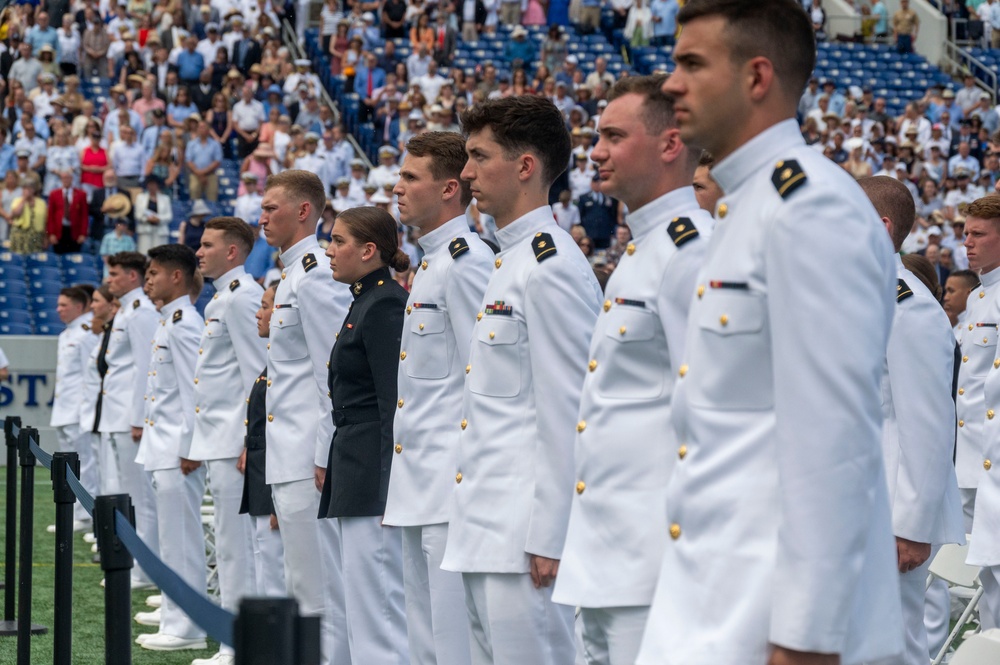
<point x="291" y="40"/>
<point x="958" y="59"/>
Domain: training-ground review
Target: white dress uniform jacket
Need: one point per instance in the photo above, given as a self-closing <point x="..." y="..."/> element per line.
<point x="918" y="433"/>
<point x="309" y="308"/>
<point x="229" y="359"/>
<point x="382" y="175"/>
<point x="434" y="351"/>
<point x="978" y="340"/>
<point x="75" y="344"/>
<point x="522" y="394"/>
<point x="614" y="545"/>
<point x="777" y="508"/>
<point x="170" y="408"/>
<point x="128" y="357"/>
<point x="984" y="546"/>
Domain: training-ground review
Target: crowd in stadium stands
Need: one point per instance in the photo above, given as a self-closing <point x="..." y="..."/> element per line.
<point x="129" y="124"/>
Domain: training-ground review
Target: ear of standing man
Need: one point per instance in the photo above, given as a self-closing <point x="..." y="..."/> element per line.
<point x="514" y="473"/>
<point x="447" y="293"/>
<point x="616" y="539"/>
<point x="780" y="547"/>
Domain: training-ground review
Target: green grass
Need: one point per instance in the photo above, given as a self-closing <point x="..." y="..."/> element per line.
<point x="88" y="596"/>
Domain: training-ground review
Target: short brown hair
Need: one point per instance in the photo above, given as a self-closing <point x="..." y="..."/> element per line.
<point x="235" y="232"/>
<point x="706" y="159"/>
<point x="299" y="184"/>
<point x="76" y="294"/>
<point x="988" y="207"/>
<point x="447" y="153"/>
<point x="778" y="30"/>
<point x="891" y="199"/>
<point x="374" y="225"/>
<point x="129" y="261"/>
<point x="657" y="106"/>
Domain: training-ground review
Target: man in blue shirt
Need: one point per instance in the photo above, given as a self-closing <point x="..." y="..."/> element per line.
<point x="41" y="34"/>
<point x="881" y="15"/>
<point x="190" y="62"/>
<point x="202" y="157"/>
<point x="664" y="21"/>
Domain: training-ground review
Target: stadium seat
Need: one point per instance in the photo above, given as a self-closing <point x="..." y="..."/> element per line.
<point x="42" y="302"/>
<point x="15" y="316"/>
<point x="44" y="287"/>
<point x="14" y="329"/>
<point x="10" y="258"/>
<point x="13" y="302"/>
<point x="49" y="273"/>
<point x="10" y="271"/>
<point x="13" y="287"/>
<point x="45" y="316"/>
<point x="49" y="328"/>
<point x="82" y="274"/>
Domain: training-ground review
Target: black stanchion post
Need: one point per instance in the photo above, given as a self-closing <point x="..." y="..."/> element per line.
<point x="116" y="562"/>
<point x="62" y="624"/>
<point x="27" y="532"/>
<point x="270" y="630"/>
<point x="9" y="624"/>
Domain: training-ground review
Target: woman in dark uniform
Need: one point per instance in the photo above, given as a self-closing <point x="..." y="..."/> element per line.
<point x="268" y="554"/>
<point x="363" y="246"/>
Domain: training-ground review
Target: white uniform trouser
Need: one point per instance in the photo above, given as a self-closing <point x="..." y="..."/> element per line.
<point x="612" y="635"/>
<point x="435" y="600"/>
<point x="968" y="506"/>
<point x="937" y="615"/>
<point x="513" y="623"/>
<point x="268" y="559"/>
<point x="912" y="587"/>
<point x="989" y="604"/>
<point x="107" y="460"/>
<point x="373" y="589"/>
<point x="182" y="541"/>
<point x="72" y="439"/>
<point x="313" y="573"/>
<point x="133" y="480"/>
<point x="233" y="536"/>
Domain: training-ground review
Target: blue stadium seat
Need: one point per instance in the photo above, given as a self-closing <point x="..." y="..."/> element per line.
<point x="13" y="287"/>
<point x="45" y="316"/>
<point x="15" y="329"/>
<point x="49" y="328"/>
<point x="15" y="316"/>
<point x="42" y="302"/>
<point x="11" y="302"/>
<point x="82" y="273"/>
<point x="44" y="287"/>
<point x="48" y="272"/>
<point x="10" y="258"/>
<point x="11" y="271"/>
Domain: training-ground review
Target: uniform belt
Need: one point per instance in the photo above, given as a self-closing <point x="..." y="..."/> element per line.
<point x="254" y="442"/>
<point x="355" y="416"/>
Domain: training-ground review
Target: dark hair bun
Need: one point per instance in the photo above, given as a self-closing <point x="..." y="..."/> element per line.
<point x="400" y="261"/>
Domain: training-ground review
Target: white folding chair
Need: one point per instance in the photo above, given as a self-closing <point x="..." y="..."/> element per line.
<point x="949" y="565"/>
<point x="980" y="649"/>
<point x="212" y="571"/>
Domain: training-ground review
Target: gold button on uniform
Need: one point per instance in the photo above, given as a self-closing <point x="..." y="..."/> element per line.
<point x="996" y="364"/>
<point x="498" y="263"/>
<point x="423" y="265"/>
<point x="402" y="355"/>
<point x="961" y="391"/>
<point x="465" y="423"/>
<point x="492" y="334"/>
<point x="961" y="423"/>
<point x="580" y="486"/>
<point x="982" y="294"/>
<point x="989" y="414"/>
<point x="197" y="409"/>
<point x="269" y="383"/>
<point x="970" y="326"/>
<point x="421" y="326"/>
<point x="468" y="368"/>
<point x="701" y="290"/>
<point x="723" y="209"/>
<point x="675" y="531"/>
<point x="399" y="448"/>
<point x="621" y="331"/>
<point x="270" y="417"/>
<point x="245" y="422"/>
<point x="582" y="425"/>
<point x="479" y="316"/>
<point x="987" y="464"/>
<point x="196" y="380"/>
<point x="399" y="404"/>
<point x="409" y="309"/>
<point x="965" y="359"/>
<point x="592" y="365"/>
<point x="458" y="477"/>
<point x="630" y="249"/>
<point x="201" y="351"/>
<point x="682" y="371"/>
<point x="682" y="452"/>
<point x="607" y="305"/>
<point x="724" y="320"/>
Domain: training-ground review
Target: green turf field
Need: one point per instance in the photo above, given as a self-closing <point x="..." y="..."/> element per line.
<point x="88" y="596"/>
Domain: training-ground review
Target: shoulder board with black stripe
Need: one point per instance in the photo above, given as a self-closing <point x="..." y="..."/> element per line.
<point x="458" y="247"/>
<point x="233" y="285"/>
<point x="902" y="291"/>
<point x="178" y="315"/>
<point x="682" y="230"/>
<point x="309" y="262"/>
<point x="787" y="177"/>
<point x="543" y="246"/>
